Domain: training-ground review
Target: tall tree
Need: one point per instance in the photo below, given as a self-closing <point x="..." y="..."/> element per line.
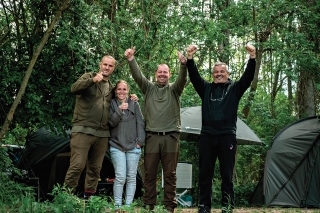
<point x="62" y="6"/>
<point x="308" y="64"/>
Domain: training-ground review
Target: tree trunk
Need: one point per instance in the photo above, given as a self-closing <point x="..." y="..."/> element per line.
<point x="62" y="7"/>
<point x="306" y="95"/>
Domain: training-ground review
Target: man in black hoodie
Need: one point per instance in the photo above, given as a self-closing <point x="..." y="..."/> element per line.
<point x="220" y="101"/>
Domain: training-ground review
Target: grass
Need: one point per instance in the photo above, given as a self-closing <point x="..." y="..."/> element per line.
<point x="238" y="210"/>
<point x="66" y="202"/>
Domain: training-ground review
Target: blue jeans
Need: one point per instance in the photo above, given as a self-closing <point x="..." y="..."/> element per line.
<point x="125" y="166"/>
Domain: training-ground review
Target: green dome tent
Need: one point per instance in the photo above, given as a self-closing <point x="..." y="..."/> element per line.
<point x="292" y="167"/>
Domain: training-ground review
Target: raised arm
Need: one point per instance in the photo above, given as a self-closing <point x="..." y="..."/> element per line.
<point x="248" y="75"/>
<point x="85" y="81"/>
<point x="136" y="73"/>
<point x="195" y="78"/>
<point x="181" y="81"/>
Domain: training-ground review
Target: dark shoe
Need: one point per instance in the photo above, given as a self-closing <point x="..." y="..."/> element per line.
<point x="204" y="209"/>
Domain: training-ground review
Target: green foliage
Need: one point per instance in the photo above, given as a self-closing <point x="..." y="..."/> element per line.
<point x="11" y="192"/>
<point x="189" y="97"/>
<point x="65" y="201"/>
<point x="89" y="30"/>
<point x="17" y="136"/>
<point x="7" y="170"/>
<point x="61" y="194"/>
<point x="243" y="193"/>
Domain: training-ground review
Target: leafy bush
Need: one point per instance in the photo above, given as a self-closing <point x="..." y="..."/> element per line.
<point x="16" y="136"/>
<point x="243" y="193"/>
<point x="11" y="192"/>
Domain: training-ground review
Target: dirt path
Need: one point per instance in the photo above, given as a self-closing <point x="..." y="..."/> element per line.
<point x="256" y="210"/>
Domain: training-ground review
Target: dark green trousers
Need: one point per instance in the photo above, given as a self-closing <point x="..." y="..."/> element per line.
<point x="86" y="151"/>
<point x="164" y="149"/>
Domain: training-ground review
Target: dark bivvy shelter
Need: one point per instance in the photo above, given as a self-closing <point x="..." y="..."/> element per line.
<point x="46" y="159"/>
<point x="292" y="168"/>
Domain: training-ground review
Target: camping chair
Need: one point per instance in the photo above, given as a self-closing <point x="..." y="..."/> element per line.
<point x="184" y="181"/>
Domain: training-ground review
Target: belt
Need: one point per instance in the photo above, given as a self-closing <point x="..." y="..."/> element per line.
<point x="162" y="133"/>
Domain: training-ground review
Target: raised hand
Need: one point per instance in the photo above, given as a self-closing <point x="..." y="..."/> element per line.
<point x="129" y="53"/>
<point x="191" y="50"/>
<point x="251" y="50"/>
<point x="181" y="57"/>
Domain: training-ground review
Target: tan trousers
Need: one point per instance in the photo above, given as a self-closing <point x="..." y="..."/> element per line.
<point x="86" y="151"/>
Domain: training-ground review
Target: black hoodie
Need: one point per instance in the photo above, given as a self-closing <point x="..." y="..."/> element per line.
<point x="220" y="101"/>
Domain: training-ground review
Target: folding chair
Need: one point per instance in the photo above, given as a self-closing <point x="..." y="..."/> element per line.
<point x="184" y="181"/>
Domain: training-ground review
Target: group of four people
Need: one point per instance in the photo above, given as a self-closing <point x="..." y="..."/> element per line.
<point x="105" y="115"/>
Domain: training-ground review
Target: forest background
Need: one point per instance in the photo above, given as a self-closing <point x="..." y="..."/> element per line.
<point x="46" y="45"/>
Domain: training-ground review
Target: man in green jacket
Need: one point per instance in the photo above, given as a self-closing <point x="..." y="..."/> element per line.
<point x="90" y="131"/>
<point x="162" y="116"/>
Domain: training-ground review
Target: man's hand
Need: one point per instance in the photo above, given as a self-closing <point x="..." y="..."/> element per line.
<point x="134" y="97"/>
<point x="181" y="57"/>
<point x="251" y="50"/>
<point x="97" y="78"/>
<point x="192" y="49"/>
<point x="129" y="53"/>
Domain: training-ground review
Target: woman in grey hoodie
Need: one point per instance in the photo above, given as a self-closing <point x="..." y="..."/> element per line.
<point x="127" y="137"/>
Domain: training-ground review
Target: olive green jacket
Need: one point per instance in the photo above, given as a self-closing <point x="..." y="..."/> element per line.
<point x="92" y="103"/>
<point x="161" y="102"/>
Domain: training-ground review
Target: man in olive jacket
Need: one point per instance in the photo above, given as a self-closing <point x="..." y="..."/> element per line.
<point x="90" y="131"/>
<point x="162" y="116"/>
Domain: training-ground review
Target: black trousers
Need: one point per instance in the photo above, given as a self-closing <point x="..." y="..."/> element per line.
<point x="224" y="148"/>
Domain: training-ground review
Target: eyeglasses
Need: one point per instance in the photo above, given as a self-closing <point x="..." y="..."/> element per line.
<point x="217" y="99"/>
